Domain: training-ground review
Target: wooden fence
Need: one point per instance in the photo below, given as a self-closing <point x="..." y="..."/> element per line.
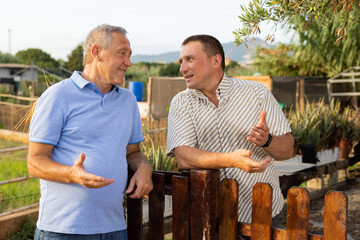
<point x="12" y="114"/>
<point x="205" y="208"/>
<point x="156" y="130"/>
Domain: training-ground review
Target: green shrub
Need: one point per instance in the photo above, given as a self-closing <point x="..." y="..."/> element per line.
<point x="157" y="157"/>
<point x="320" y="124"/>
<point x="26" y="232"/>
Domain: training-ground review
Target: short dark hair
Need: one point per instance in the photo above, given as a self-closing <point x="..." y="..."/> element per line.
<point x="211" y="45"/>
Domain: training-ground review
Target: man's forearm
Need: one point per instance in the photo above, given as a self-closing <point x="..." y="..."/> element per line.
<point x="42" y="166"/>
<point x="136" y="160"/>
<point x="281" y="147"/>
<point x="45" y="168"/>
<point x="189" y="157"/>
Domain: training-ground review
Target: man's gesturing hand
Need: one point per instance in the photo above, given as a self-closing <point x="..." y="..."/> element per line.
<point x="241" y="159"/>
<point x="259" y="134"/>
<point x="80" y="176"/>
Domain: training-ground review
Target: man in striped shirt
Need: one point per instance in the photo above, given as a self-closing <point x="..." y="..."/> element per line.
<point x="226" y="123"/>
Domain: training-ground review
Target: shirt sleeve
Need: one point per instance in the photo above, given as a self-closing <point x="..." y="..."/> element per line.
<point x="275" y="117"/>
<point x="47" y="120"/>
<point x="136" y="133"/>
<point x="181" y="130"/>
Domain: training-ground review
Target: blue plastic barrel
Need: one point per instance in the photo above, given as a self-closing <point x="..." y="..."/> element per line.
<point x="137" y="89"/>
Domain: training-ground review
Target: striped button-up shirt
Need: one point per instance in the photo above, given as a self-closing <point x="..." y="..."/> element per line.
<point x="195" y="121"/>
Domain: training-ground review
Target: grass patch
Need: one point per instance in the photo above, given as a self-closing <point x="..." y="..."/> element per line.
<point x="13" y="165"/>
<point x="9" y="144"/>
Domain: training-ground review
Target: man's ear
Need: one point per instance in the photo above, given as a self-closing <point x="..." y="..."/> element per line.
<point x="217" y="60"/>
<point x="95" y="52"/>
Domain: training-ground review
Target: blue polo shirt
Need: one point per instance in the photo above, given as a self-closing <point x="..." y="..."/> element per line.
<point x="74" y="116"/>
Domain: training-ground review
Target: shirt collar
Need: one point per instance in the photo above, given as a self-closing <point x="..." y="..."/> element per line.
<point x="81" y="82"/>
<point x="222" y="90"/>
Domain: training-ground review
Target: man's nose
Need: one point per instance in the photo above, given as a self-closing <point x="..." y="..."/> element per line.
<point x="183" y="68"/>
<point x="127" y="62"/>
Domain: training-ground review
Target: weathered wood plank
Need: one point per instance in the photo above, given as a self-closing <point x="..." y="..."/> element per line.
<point x="134" y="215"/>
<point x="335" y="216"/>
<point x="244" y="229"/>
<point x="279" y="234"/>
<point x="181" y="203"/>
<point x="156" y="207"/>
<point x="168" y="180"/>
<point x="204" y="204"/>
<point x="298" y="207"/>
<point x="315" y="237"/>
<point x="229" y="195"/>
<point x="134" y="219"/>
<point x="261" y="212"/>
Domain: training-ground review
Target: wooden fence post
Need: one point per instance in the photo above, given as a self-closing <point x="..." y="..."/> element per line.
<point x="181" y="202"/>
<point x="156" y="207"/>
<point x="134" y="216"/>
<point x="261" y="212"/>
<point x="134" y="219"/>
<point x="229" y="196"/>
<point x="335" y="216"/>
<point x="298" y="207"/>
<point x="204" y="204"/>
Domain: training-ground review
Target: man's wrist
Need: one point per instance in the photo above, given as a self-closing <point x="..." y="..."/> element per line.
<point x="267" y="144"/>
<point x="144" y="165"/>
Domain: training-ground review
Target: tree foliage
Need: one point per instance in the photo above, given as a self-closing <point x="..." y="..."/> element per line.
<point x="170" y="70"/>
<point x="321" y="51"/>
<point x="316" y="53"/>
<point x="281" y="12"/>
<point x="327" y="33"/>
<point x="235" y="69"/>
<point x="8" y="58"/>
<point x="38" y="57"/>
<point x="276" y="61"/>
<point x="75" y="59"/>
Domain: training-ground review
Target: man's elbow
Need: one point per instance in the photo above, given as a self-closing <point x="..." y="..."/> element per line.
<point x="30" y="168"/>
<point x="288" y="152"/>
<point x="285" y="155"/>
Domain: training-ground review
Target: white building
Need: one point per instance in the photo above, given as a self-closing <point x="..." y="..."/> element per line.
<point x="13" y="72"/>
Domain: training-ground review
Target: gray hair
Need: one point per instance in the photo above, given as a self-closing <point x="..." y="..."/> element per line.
<point x="100" y="36"/>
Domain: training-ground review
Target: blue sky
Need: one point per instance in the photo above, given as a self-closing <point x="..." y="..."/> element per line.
<point x="154" y="26"/>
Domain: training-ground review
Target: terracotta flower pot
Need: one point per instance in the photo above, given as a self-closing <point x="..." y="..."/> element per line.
<point x="344" y="148"/>
<point x="337" y="137"/>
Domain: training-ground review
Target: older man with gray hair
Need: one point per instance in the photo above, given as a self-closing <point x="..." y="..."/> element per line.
<point x="84" y="134"/>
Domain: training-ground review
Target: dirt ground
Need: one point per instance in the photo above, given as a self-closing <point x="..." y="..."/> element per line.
<point x="352" y="191"/>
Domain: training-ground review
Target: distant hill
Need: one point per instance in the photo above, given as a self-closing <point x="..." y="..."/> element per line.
<point x="165" y="57"/>
<point x="242" y="53"/>
<point x="233" y="52"/>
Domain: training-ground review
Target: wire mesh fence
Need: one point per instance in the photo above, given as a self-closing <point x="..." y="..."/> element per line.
<point x="18" y="193"/>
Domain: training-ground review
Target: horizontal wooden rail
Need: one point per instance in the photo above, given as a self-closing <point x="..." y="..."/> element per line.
<point x="31" y="99"/>
<point x="21" y="179"/>
<point x="14" y="149"/>
<point x="20" y="209"/>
